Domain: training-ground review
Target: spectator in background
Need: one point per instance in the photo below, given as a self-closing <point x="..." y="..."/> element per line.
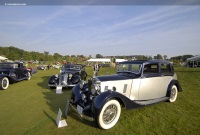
<point x="96" y="69"/>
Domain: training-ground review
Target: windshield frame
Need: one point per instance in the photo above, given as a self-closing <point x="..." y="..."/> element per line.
<point x="121" y="68"/>
<point x="71" y="67"/>
<point x="8" y="65"/>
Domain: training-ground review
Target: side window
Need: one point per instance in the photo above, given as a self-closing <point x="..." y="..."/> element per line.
<point x="166" y="69"/>
<point x="150" y="69"/>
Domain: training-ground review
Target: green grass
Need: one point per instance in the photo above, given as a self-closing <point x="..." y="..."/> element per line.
<point x="30" y="107"/>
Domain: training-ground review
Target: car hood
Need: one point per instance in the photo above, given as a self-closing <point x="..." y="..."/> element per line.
<point x="114" y="77"/>
<point x="70" y="71"/>
<point x="5" y="71"/>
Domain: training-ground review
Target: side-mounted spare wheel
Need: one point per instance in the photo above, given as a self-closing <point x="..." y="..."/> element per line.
<point x="109" y="114"/>
<point x="4" y="83"/>
<point x="173" y="94"/>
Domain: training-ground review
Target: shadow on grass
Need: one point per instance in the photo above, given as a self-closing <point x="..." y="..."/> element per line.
<point x="51" y="118"/>
<point x="56" y="101"/>
<point x="188" y="71"/>
<point x="44" y="83"/>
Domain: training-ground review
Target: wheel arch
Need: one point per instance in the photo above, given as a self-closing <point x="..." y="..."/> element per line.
<point x="177" y="84"/>
<point x="104" y="97"/>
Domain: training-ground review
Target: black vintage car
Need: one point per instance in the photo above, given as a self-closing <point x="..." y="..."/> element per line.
<point x="70" y="75"/>
<point x="11" y="73"/>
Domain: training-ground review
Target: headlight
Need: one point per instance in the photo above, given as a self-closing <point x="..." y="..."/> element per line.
<point x="70" y="75"/>
<point x="81" y="84"/>
<point x="95" y="89"/>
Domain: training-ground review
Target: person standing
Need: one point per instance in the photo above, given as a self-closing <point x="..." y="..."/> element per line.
<point x="96" y="69"/>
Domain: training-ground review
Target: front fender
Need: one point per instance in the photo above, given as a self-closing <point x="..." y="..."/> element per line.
<point x="4" y="75"/>
<point x="11" y="80"/>
<point x="53" y="79"/>
<point x="101" y="99"/>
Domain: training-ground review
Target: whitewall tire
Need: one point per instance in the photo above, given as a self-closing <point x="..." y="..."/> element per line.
<point x="4" y="83"/>
<point x="173" y="94"/>
<point x="29" y="76"/>
<point x="109" y="114"/>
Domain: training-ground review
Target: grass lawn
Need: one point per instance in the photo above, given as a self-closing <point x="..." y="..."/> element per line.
<point x="31" y="107"/>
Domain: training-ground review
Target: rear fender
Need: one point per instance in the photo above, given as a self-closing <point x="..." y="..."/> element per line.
<point x="173" y="82"/>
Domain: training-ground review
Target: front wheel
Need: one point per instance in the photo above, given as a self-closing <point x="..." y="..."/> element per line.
<point x="173" y="94"/>
<point x="4" y="83"/>
<point x="109" y="114"/>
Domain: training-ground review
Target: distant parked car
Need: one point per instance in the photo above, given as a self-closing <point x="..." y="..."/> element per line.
<point x="32" y="70"/>
<point x="136" y="84"/>
<point x="11" y="73"/>
<point x="70" y="75"/>
<point x="41" y="67"/>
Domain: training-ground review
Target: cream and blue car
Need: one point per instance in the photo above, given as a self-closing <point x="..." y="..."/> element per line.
<point x="135" y="84"/>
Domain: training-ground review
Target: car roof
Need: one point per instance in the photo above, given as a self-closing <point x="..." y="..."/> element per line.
<point x="10" y="62"/>
<point x="75" y="64"/>
<point x="145" y="62"/>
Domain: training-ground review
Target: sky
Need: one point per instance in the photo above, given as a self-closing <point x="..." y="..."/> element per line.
<point x="109" y="30"/>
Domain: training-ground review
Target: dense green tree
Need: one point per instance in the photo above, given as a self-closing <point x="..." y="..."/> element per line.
<point x="159" y="57"/>
<point x="99" y="56"/>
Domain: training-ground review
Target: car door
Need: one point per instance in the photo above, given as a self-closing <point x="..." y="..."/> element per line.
<point x="166" y="72"/>
<point x="150" y="82"/>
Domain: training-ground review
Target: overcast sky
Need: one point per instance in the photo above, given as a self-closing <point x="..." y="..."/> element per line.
<point x="108" y="30"/>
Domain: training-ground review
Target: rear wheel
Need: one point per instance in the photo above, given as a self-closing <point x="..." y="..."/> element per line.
<point x="29" y="76"/>
<point x="109" y="114"/>
<point x="173" y="94"/>
<point x="4" y="83"/>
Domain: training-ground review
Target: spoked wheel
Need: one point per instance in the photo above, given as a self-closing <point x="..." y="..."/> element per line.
<point x="173" y="94"/>
<point x="4" y="83"/>
<point x="109" y="114"/>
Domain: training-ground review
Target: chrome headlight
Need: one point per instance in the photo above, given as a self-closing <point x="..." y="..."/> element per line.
<point x="95" y="88"/>
<point x="70" y="76"/>
<point x="83" y="96"/>
<point x="81" y="84"/>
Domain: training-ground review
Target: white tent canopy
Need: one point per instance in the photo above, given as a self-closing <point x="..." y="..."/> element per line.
<point x="194" y="58"/>
<point x="104" y="60"/>
<point x="3" y="58"/>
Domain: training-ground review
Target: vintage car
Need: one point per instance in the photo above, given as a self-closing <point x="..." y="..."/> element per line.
<point x="70" y="75"/>
<point x="32" y="70"/>
<point x="136" y="84"/>
<point x="11" y="73"/>
<point x="41" y="67"/>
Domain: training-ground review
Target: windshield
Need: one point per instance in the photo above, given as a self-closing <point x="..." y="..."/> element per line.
<point x="75" y="67"/>
<point x="133" y="68"/>
<point x="8" y="65"/>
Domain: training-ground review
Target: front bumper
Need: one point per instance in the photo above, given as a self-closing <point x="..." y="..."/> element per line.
<point x="83" y="112"/>
<point x="63" y="85"/>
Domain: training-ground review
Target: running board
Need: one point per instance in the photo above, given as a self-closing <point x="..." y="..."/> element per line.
<point x="152" y="101"/>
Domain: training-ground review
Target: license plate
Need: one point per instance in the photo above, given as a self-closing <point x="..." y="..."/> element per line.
<point x="79" y="109"/>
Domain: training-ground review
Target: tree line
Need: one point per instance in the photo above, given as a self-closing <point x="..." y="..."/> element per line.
<point x="13" y="53"/>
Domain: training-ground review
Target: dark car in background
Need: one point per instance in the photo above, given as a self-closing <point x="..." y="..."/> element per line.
<point x="135" y="84"/>
<point x="12" y="73"/>
<point x="69" y="76"/>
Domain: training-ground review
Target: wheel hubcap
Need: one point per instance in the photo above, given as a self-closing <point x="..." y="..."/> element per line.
<point x="109" y="114"/>
<point x="4" y="83"/>
<point x="173" y="93"/>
